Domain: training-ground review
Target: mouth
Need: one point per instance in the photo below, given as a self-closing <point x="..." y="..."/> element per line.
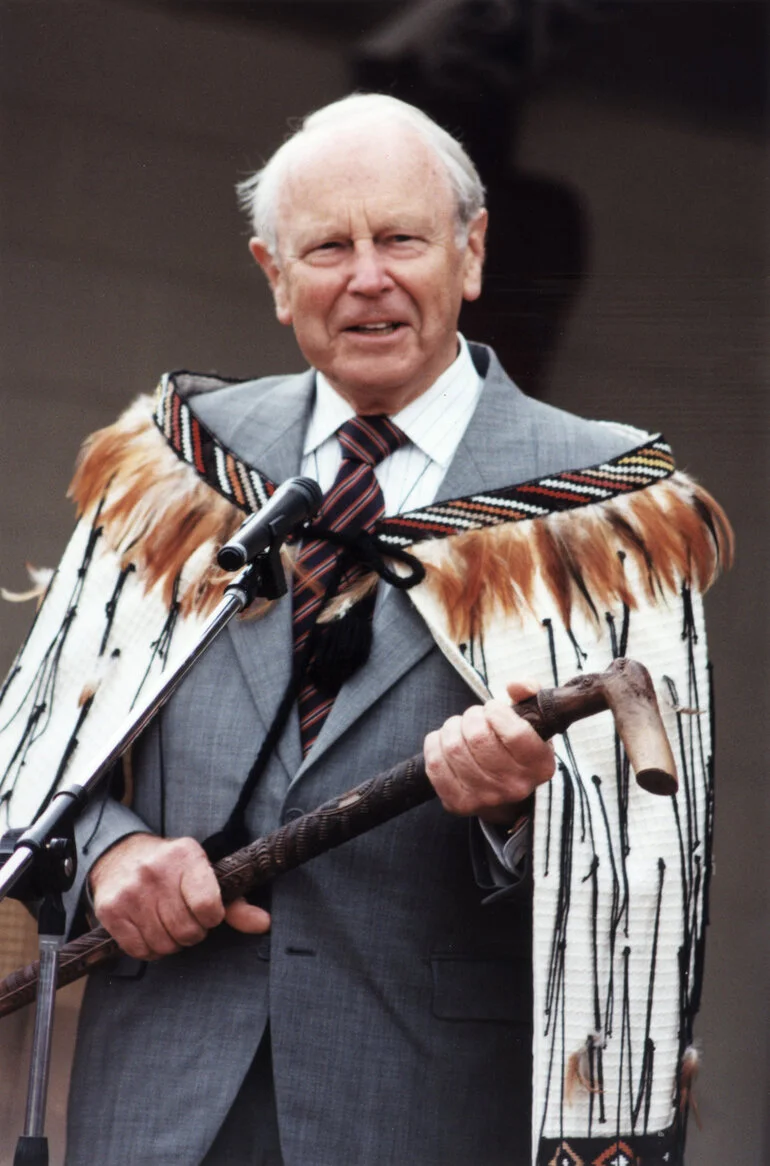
<point x="384" y="328"/>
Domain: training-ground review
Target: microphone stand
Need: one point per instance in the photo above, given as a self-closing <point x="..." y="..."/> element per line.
<point x="39" y="864"/>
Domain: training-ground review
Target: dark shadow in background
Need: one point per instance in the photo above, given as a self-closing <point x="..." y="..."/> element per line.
<point x="473" y="65"/>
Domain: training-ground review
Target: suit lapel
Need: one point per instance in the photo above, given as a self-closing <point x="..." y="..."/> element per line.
<point x="268" y="434"/>
<point x="499" y="445"/>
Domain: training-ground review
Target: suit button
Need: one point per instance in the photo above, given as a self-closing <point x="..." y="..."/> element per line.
<point x="291" y="814"/>
<point x="263" y="948"/>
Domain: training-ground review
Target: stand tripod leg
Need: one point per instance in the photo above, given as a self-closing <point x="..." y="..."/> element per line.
<point x="32" y="1146"/>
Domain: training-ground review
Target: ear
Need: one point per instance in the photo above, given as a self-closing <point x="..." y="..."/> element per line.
<point x="474" y="256"/>
<point x="275" y="277"/>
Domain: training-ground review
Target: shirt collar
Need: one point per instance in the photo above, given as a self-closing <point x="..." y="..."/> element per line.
<point x="419" y="420"/>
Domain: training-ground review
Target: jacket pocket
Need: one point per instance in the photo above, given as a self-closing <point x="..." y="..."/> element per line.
<point x="127" y="968"/>
<point x="474" y="988"/>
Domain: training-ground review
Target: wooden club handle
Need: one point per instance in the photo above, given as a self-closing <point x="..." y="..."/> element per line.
<point x="624" y="686"/>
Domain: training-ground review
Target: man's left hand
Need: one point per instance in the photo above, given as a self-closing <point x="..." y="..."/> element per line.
<point x="489" y="760"/>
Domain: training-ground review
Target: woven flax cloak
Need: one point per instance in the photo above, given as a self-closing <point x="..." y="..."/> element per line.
<point x="541" y="580"/>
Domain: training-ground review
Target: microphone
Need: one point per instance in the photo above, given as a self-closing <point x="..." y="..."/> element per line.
<point x="295" y="500"/>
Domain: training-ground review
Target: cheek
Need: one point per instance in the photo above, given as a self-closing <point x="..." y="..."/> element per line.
<point x="313" y="305"/>
<point x="441" y="294"/>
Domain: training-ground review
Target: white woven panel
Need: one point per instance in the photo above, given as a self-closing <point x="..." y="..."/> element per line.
<point x="512" y="649"/>
<point x="53" y="669"/>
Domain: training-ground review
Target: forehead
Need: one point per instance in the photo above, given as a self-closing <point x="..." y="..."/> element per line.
<point x="385" y="173"/>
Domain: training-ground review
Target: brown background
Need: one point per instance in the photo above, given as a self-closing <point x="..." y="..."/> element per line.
<point x="125" y="125"/>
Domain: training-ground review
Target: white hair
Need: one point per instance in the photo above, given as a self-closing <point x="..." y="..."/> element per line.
<point x="259" y="194"/>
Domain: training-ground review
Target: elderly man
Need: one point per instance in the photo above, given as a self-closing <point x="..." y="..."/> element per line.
<point x="381" y="1012"/>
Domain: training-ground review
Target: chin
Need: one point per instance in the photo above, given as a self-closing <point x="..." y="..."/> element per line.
<point x="389" y="385"/>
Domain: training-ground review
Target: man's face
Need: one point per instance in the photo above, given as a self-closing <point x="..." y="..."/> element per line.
<point x="368" y="271"/>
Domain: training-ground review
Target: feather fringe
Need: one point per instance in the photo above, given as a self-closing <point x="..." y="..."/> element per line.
<point x="674" y="530"/>
<point x="157" y="512"/>
<point x="40" y="577"/>
<point x="159" y="515"/>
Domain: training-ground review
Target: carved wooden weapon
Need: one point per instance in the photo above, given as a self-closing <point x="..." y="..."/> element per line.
<point x="625" y="688"/>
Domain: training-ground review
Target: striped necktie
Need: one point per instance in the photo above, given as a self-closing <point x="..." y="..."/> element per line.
<point x="353" y="504"/>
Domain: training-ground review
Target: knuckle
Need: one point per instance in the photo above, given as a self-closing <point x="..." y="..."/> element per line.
<point x="148" y="870"/>
<point x="114" y="905"/>
<point x="477" y="735"/>
<point x="440" y="780"/>
<point x="209" y="913"/>
<point x="108" y="917"/>
<point x="430" y="746"/>
<point x="183" y="850"/>
<point x="138" y="949"/>
<point x="187" y="935"/>
<point x="456" y="800"/>
<point x="451" y="728"/>
<point x="165" y="946"/>
<point x="454" y="749"/>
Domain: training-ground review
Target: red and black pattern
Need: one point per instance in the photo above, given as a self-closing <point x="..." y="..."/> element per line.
<point x="249" y="489"/>
<point x="242" y="484"/>
<point x="659" y="1149"/>
<point x="563" y="491"/>
<point x="353" y="504"/>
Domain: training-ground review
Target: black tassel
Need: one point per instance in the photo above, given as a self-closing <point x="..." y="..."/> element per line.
<point x="226" y="841"/>
<point x="342" y="646"/>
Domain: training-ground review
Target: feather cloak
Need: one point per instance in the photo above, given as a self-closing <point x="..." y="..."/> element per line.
<point x="542" y="579"/>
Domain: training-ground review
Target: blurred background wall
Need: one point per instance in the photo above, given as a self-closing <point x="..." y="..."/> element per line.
<point x="624" y="149"/>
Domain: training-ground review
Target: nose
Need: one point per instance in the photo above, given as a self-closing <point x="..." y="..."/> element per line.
<point x="369" y="275"/>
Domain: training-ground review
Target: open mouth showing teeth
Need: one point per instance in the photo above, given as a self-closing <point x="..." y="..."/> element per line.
<point x="375" y="329"/>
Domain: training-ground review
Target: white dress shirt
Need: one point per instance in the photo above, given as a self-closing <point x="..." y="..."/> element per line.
<point x="434" y="423"/>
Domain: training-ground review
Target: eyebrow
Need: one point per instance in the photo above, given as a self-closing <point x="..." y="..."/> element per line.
<point x="407" y="224"/>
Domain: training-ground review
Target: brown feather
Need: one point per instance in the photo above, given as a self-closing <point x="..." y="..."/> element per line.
<point x="689" y="1070"/>
<point x="578" y="1074"/>
<point x="158" y="513"/>
<point x="673" y="531"/>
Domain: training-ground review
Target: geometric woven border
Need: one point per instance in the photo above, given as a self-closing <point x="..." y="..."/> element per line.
<point x="661" y="1149"/>
<point x="249" y="489"/>
<point x="241" y="484"/>
<point x="631" y="471"/>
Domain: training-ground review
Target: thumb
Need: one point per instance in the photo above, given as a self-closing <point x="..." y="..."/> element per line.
<point x="245" y="917"/>
<point x="521" y="689"/>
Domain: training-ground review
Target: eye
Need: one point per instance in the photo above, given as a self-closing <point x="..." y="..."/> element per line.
<point x="325" y="252"/>
<point x="404" y="243"/>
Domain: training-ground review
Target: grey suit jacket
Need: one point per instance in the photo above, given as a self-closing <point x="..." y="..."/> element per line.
<point x="399" y="1002"/>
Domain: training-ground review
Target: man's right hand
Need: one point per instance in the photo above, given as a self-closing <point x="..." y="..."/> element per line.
<point x="157" y="895"/>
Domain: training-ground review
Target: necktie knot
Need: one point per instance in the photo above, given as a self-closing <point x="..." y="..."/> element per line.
<point x="370" y="439"/>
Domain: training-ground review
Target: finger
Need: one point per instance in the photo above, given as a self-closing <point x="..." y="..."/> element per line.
<point x="247" y="918"/>
<point x="531" y="755"/>
<point x="140" y="933"/>
<point x="178" y="922"/>
<point x="441" y="751"/>
<point x="466" y="764"/>
<point x="156" y="928"/>
<point x="484" y="748"/>
<point x="129" y="939"/>
<point x="200" y="891"/>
